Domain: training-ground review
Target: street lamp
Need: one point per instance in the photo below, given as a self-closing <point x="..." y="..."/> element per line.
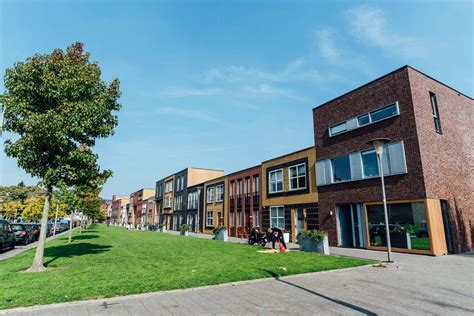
<point x="378" y="144"/>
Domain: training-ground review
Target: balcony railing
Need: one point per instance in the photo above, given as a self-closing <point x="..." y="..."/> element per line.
<point x="247" y="199"/>
<point x="239" y="200"/>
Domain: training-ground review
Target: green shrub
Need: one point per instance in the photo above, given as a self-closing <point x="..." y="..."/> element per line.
<point x="216" y="230"/>
<point x="183" y="228"/>
<point x="314" y="235"/>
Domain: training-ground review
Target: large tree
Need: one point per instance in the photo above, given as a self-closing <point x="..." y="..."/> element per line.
<point x="58" y="105"/>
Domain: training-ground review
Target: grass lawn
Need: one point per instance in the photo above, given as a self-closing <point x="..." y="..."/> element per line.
<point x="111" y="261"/>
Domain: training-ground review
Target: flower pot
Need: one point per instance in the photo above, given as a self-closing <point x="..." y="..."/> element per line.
<point x="184" y="233"/>
<point x="286" y="238"/>
<point x="162" y="229"/>
<point x="309" y="245"/>
<point x="222" y="235"/>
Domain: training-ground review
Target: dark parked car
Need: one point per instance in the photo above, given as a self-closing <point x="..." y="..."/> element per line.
<point x="23" y="233"/>
<point x="7" y="237"/>
<point x="36" y="229"/>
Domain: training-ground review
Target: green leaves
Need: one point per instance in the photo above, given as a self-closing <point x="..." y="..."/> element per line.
<point x="59" y="105"/>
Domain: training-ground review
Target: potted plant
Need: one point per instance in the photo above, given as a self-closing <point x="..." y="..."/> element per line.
<point x="162" y="228"/>
<point x="313" y="241"/>
<point x="184" y="230"/>
<point x="286" y="236"/>
<point x="220" y="233"/>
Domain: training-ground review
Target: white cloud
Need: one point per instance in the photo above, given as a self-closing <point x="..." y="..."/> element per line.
<point x="188" y="92"/>
<point x="326" y="45"/>
<point x="370" y="25"/>
<point x="266" y="89"/>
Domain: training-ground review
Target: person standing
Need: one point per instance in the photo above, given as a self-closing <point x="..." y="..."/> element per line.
<point x="276" y="234"/>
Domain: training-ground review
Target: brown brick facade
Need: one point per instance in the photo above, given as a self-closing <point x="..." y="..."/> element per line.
<point x="438" y="166"/>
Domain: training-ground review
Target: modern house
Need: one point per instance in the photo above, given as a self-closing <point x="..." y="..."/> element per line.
<point x="244" y="207"/>
<point x="194" y="207"/>
<point x="118" y="201"/>
<point x="150" y="217"/>
<point x="289" y="197"/>
<point x="214" y="205"/>
<point x="172" y="195"/>
<point x="427" y="165"/>
<point x="136" y="204"/>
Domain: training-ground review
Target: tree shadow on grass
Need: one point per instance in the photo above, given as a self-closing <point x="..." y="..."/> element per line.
<point x="84" y="237"/>
<point x="73" y="250"/>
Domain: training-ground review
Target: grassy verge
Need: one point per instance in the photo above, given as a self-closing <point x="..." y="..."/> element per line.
<point x="111" y="261"/>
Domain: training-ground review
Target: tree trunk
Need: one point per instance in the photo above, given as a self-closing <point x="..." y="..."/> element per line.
<point x="37" y="265"/>
<point x="70" y="228"/>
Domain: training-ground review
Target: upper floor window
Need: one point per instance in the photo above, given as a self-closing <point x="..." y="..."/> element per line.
<point x="220" y="193"/>
<point x="434" y="110"/>
<point x="168" y="201"/>
<point x="365" y="119"/>
<point x="232" y="188"/>
<point x="210" y="195"/>
<point x="247" y="185"/>
<point x="178" y="202"/>
<point x="256" y="184"/>
<point x="297" y="175"/>
<point x="276" y="181"/>
<point x="239" y="187"/>
<point x="169" y="186"/>
<point x="361" y="165"/>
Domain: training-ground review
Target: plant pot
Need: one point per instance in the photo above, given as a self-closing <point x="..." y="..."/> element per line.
<point x="286" y="238"/>
<point x="222" y="235"/>
<point x="309" y="245"/>
<point x="163" y="229"/>
<point x="184" y="233"/>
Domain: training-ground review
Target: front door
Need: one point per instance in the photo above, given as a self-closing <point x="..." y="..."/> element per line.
<point x="350" y="225"/>
<point x="299" y="220"/>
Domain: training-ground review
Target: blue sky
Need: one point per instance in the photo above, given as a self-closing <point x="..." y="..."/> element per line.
<point x="228" y="84"/>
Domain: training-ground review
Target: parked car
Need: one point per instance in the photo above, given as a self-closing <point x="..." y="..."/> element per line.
<point x="23" y="233"/>
<point x="36" y="229"/>
<point x="7" y="237"/>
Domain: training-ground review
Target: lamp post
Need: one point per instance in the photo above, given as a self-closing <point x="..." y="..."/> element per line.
<point x="378" y="144"/>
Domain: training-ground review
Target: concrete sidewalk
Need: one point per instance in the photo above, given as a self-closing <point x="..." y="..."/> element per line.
<point x="414" y="284"/>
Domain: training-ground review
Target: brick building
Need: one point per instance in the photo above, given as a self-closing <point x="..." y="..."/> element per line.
<point x="428" y="165"/>
<point x="118" y="202"/>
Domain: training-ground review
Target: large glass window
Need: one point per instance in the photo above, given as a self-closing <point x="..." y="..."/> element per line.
<point x="256" y="184"/>
<point x="407" y="225"/>
<point x="369" y="163"/>
<point x="232" y="219"/>
<point x="277" y="216"/>
<point x="276" y="181"/>
<point x="385" y="112"/>
<point x="341" y="168"/>
<point x="363" y="120"/>
<point x="209" y="218"/>
<point x="297" y="177"/>
<point x="256" y="218"/>
<point x="339" y="128"/>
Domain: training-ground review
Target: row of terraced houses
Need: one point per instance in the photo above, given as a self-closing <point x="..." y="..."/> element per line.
<point x="334" y="185"/>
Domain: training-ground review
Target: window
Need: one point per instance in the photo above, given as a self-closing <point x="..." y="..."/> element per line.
<point x="297" y="176"/>
<point x="178" y="202"/>
<point x="247" y="185"/>
<point x="361" y="165"/>
<point x="277" y="216"/>
<point x="210" y="195"/>
<point x="407" y="224"/>
<point x="383" y="113"/>
<point x="276" y="181"/>
<point x="169" y="186"/>
<point x="434" y="110"/>
<point x="241" y="220"/>
<point x="192" y="200"/>
<point x="209" y="218"/>
<point x="232" y="188"/>
<point x="168" y="201"/>
<point x="341" y="168"/>
<point x="239" y="188"/>
<point x="339" y="128"/>
<point x="220" y="193"/>
<point x="370" y="164"/>
<point x="363" y="120"/>
<point x="256" y="218"/>
<point x="256" y="184"/>
<point x="232" y="219"/>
